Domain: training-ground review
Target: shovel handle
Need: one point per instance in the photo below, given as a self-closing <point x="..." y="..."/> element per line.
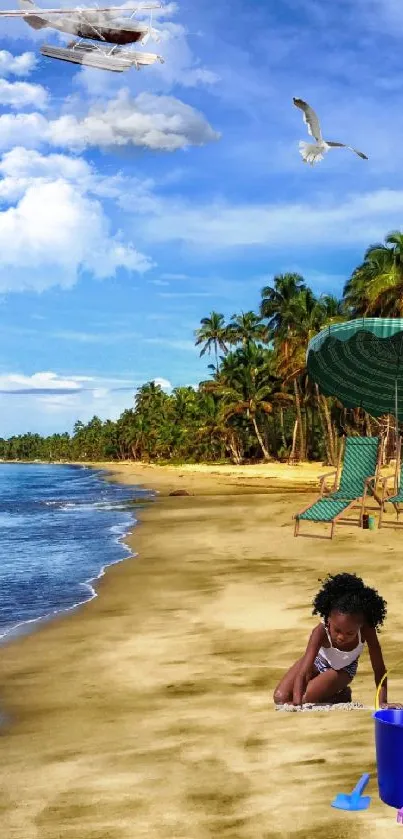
<point x="378" y="690"/>
<point x="359" y="788"/>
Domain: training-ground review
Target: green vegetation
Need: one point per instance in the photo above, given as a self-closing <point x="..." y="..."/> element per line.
<point x="258" y="402"/>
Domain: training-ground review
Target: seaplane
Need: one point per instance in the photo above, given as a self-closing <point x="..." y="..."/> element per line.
<point x="107" y="27"/>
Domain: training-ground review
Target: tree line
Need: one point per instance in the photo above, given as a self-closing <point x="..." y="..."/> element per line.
<point x="258" y="402"/>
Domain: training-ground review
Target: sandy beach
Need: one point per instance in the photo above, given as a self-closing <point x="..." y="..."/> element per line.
<point x="148" y="712"/>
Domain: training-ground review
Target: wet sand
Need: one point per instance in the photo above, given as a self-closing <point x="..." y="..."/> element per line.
<point x="148" y="712"/>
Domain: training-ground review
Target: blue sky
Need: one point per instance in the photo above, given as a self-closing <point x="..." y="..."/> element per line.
<point x="133" y="204"/>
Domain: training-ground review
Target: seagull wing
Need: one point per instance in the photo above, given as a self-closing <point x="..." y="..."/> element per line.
<point x="311" y="119"/>
<point x="343" y="146"/>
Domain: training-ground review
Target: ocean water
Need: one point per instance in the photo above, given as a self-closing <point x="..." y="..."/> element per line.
<point x="60" y="526"/>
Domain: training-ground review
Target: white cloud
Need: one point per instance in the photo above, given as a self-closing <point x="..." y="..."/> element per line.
<point x="164" y="383"/>
<point x="160" y="123"/>
<point x="22" y="94"/>
<point x="17" y="65"/>
<point x="20" y="167"/>
<point x="354" y="221"/>
<point x="53" y="226"/>
<point x="53" y="234"/>
<point x="50" y="384"/>
<point x="18" y="129"/>
<point x="44" y="381"/>
<point x="155" y="122"/>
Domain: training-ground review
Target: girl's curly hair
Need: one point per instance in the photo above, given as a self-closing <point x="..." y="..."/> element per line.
<point x="349" y="595"/>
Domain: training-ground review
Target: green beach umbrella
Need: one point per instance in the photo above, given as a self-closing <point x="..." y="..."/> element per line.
<point x="361" y="363"/>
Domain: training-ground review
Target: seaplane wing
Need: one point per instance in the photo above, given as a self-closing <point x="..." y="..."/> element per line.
<point x="32" y="9"/>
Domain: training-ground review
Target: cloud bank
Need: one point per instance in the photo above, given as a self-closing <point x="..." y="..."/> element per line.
<point x="158" y="123"/>
<point x="322" y="222"/>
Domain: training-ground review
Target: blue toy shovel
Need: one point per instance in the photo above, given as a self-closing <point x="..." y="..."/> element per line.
<point x="354" y="801"/>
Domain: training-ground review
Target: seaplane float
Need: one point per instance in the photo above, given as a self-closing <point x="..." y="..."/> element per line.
<point x="103" y="34"/>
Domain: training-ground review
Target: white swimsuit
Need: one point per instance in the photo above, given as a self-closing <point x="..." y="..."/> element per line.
<point x="335" y="659"/>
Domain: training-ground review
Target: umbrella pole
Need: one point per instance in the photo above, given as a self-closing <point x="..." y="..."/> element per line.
<point x="397" y="438"/>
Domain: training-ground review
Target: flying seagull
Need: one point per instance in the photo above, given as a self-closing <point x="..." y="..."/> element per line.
<point x="313" y="153"/>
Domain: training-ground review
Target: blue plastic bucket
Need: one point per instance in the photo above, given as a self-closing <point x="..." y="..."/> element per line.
<point x="389" y="755"/>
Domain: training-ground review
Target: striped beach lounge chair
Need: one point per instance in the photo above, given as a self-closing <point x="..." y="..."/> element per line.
<point x="358" y="479"/>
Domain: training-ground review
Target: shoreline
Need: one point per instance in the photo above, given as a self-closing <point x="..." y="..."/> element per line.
<point x="24" y="627"/>
<point x="266" y="477"/>
<point x="204" y="479"/>
<point x="149" y="712"/>
<point x="30" y="625"/>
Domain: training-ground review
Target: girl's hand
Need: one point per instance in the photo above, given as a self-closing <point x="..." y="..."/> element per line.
<point x="393" y="705"/>
<point x="300" y="684"/>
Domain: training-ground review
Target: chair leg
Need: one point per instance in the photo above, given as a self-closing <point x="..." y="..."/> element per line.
<point x="363" y="508"/>
<point x="296" y="528"/>
<point x="362" y="511"/>
<point x="381" y="512"/>
<point x="332" y="530"/>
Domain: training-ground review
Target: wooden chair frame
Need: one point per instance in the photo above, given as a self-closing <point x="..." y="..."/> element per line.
<point x="385" y="496"/>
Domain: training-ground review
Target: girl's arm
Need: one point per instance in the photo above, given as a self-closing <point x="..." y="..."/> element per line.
<point x="378" y="664"/>
<point x="315" y="642"/>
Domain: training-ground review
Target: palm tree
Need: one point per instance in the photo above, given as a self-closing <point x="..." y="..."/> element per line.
<point x="150" y="397"/>
<point x="248" y="389"/>
<point x="246" y="328"/>
<point x="308" y="315"/>
<point x="213" y="334"/>
<point x="151" y="406"/>
<point x="376" y="286"/>
<point x="276" y="300"/>
<point x="214" y="435"/>
<point x="280" y="306"/>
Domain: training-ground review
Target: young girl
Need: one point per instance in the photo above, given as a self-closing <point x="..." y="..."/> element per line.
<point x="351" y="613"/>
